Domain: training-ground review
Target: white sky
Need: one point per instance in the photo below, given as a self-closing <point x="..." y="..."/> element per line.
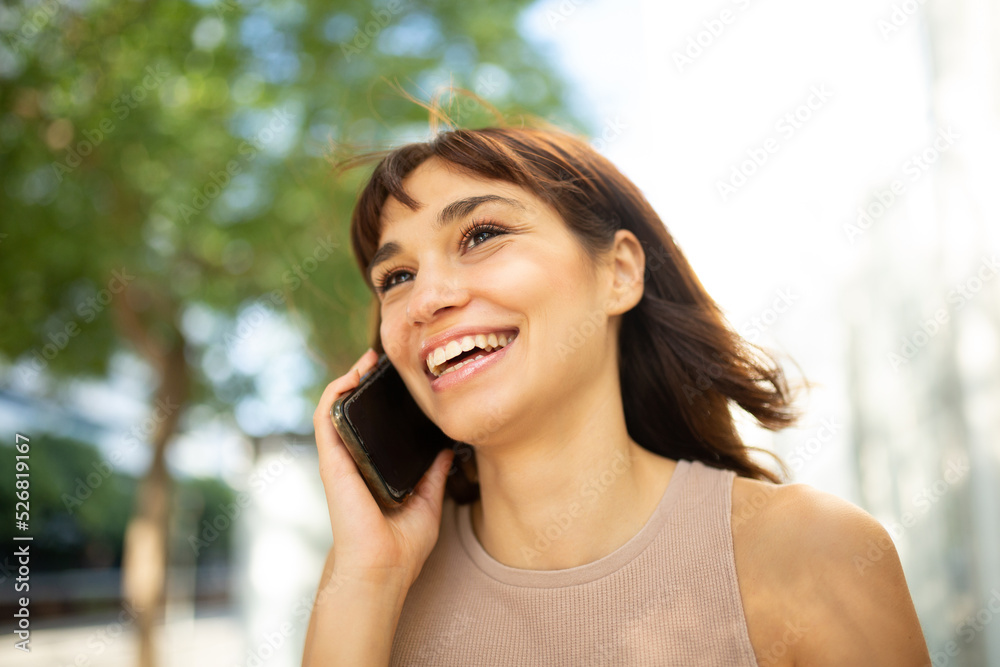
<point x="688" y="124"/>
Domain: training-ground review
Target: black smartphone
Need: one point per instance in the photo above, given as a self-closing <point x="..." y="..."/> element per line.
<point x="390" y="438"/>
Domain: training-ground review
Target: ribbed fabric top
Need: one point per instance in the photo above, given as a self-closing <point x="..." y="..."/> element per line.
<point x="668" y="596"/>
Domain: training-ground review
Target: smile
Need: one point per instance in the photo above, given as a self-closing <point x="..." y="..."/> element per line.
<point x="460" y="352"/>
<point x="474" y="364"/>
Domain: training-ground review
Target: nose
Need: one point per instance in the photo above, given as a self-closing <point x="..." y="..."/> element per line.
<point x="433" y="290"/>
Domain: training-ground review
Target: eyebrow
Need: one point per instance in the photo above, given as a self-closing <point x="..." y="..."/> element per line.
<point x="459" y="208"/>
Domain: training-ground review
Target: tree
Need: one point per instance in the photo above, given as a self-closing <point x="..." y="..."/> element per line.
<point x="78" y="508"/>
<point x="161" y="156"/>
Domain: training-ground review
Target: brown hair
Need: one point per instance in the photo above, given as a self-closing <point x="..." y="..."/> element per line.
<point x="679" y="363"/>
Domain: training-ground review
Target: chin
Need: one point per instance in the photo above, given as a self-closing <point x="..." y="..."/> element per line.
<point x="477" y="425"/>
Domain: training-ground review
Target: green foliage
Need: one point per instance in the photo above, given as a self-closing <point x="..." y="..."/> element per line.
<point x="180" y="147"/>
<point x="80" y="504"/>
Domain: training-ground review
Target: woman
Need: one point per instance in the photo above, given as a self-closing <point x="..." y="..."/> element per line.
<point x="614" y="516"/>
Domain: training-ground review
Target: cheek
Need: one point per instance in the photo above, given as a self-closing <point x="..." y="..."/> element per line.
<point x="553" y="292"/>
<point x="390" y="334"/>
<point x="545" y="276"/>
<point x="553" y="278"/>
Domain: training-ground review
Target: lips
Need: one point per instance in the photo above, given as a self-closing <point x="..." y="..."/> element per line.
<point x="463" y="350"/>
<point x="449" y="344"/>
<point x="470" y="368"/>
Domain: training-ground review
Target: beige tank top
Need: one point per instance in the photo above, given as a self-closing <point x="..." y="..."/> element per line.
<point x="668" y="596"/>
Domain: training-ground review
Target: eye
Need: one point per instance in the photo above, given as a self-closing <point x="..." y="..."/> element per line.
<point x="387" y="279"/>
<point x="477" y="228"/>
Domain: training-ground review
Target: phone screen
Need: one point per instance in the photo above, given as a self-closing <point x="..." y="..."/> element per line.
<point x="398" y="438"/>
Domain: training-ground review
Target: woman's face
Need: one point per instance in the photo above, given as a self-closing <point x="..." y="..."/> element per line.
<point x="482" y="257"/>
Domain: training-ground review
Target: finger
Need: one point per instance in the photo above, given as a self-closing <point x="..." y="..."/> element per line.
<point x="333" y="457"/>
<point x="347" y="495"/>
<point x="342" y="384"/>
<point x="327" y="438"/>
<point x="366" y="362"/>
<point x="321" y="417"/>
<point x="336" y="466"/>
<point x="431" y="485"/>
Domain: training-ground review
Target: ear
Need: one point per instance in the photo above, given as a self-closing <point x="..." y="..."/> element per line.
<point x="627" y="264"/>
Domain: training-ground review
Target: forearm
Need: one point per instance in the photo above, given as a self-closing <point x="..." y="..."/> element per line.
<point x="353" y="619"/>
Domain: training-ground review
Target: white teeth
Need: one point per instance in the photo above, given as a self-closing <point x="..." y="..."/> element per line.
<point x="487" y="342"/>
<point x="459" y="365"/>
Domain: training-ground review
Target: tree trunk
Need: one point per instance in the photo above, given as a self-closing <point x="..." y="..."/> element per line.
<point x="144" y="560"/>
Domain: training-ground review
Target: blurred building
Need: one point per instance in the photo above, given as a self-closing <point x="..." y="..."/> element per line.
<point x="924" y="362"/>
<point x="281" y="545"/>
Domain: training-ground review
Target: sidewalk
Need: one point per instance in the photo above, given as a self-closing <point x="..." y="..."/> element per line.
<point x="214" y="639"/>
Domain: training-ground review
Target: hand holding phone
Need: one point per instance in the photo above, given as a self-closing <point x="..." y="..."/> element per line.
<point x="390" y="438"/>
<point x="368" y="541"/>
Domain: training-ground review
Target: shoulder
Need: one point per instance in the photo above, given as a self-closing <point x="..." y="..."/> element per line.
<point x="823" y="577"/>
